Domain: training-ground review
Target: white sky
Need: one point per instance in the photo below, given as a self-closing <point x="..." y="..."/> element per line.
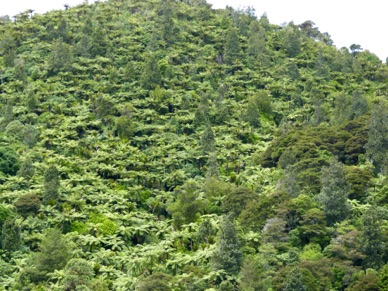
<point x="347" y="21"/>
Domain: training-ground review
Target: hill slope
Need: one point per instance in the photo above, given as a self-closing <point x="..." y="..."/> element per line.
<point x="163" y="144"/>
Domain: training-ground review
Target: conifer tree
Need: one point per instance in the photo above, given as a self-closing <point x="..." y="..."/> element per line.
<point x="208" y="140"/>
<point x="27" y="169"/>
<point x="228" y="255"/>
<point x="10" y="236"/>
<point x="373" y="242"/>
<point x="187" y="206"/>
<point x="8" y="48"/>
<point x="334" y="192"/>
<point x="291" y="41"/>
<point x="252" y="113"/>
<point x="232" y="46"/>
<point x="60" y="58"/>
<point x="377" y="145"/>
<point x="294" y="281"/>
<point x="51" y="185"/>
<point x="53" y="255"/>
<point x="151" y="76"/>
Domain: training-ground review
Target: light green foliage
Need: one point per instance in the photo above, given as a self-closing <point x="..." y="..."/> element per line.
<point x="383" y="278"/>
<point x="311" y="252"/>
<point x="101" y="224"/>
<point x="228" y="255"/>
<point x="251" y="274"/>
<point x="79" y="227"/>
<point x="5" y="213"/>
<point x="334" y="193"/>
<point x="138" y="124"/>
<point x="256" y="41"/>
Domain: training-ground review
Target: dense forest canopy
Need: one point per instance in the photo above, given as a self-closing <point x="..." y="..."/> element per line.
<point x="164" y="145"/>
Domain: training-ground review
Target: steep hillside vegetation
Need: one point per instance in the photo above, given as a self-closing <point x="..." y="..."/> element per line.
<point x="163" y="145"/>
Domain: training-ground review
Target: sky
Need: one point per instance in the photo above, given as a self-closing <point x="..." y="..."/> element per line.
<point x="347" y="21"/>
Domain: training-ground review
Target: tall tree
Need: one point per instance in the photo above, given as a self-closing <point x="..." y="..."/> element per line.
<point x="334" y="192"/>
<point x="228" y="255"/>
<point x="208" y="140"/>
<point x="53" y="255"/>
<point x="151" y="76"/>
<point x="51" y="185"/>
<point x="373" y="241"/>
<point x="60" y="58"/>
<point x="8" y="49"/>
<point x="231" y="46"/>
<point x="292" y="41"/>
<point x="294" y="281"/>
<point x="187" y="206"/>
<point x="377" y="145"/>
<point x="10" y="236"/>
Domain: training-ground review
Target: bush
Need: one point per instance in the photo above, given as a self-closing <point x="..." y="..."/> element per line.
<point x="9" y="161"/>
<point x="27" y="204"/>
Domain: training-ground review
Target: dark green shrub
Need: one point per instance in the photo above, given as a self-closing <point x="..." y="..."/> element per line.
<point x="9" y="161"/>
<point x="27" y="204"/>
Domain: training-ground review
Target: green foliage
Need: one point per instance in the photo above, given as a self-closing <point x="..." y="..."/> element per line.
<point x="187" y="206"/>
<point x="292" y="41"/>
<point x="294" y="281"/>
<point x="110" y="111"/>
<point x="157" y="281"/>
<point x="383" y="278"/>
<point x="27" y="204"/>
<point x="366" y="281"/>
<point x="228" y="255"/>
<point x="334" y="193"/>
<point x="10" y="236"/>
<point x="8" y="49"/>
<point x="53" y="255"/>
<point x="79" y="227"/>
<point x="61" y="57"/>
<point x="78" y="272"/>
<point x="151" y="76"/>
<point x="208" y="140"/>
<point x="372" y="239"/>
<point x="9" y="161"/>
<point x="231" y="46"/>
<point x="376" y="147"/>
<point x="51" y="185"/>
<point x="5" y="213"/>
<point x="101" y="224"/>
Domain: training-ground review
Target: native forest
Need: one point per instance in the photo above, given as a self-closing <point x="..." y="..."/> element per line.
<point x="167" y="145"/>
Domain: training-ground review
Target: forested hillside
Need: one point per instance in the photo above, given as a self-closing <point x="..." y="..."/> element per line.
<point x="164" y="145"/>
